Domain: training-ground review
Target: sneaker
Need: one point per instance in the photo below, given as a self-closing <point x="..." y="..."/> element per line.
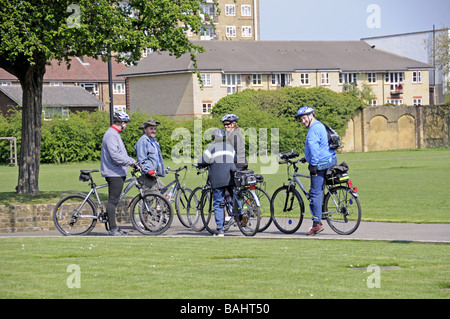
<point x="117" y="232"/>
<point x="315" y="230"/>
<point x="219" y="233"/>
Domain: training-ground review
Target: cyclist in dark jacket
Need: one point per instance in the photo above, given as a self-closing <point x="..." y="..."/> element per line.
<point x="220" y="158"/>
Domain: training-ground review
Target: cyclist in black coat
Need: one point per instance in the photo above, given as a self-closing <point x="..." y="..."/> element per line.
<point x="220" y="158"/>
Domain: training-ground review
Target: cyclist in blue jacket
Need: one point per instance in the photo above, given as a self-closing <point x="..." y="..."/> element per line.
<point x="320" y="158"/>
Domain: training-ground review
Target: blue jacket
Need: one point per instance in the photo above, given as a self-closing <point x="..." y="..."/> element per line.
<point x="317" y="150"/>
<point x="149" y="155"/>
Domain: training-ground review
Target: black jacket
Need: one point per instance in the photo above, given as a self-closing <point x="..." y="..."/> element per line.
<point x="220" y="158"/>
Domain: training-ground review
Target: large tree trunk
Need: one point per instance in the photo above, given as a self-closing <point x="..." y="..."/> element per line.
<point x="31" y="80"/>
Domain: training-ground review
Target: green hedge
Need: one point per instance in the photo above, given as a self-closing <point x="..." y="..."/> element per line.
<point x="79" y="137"/>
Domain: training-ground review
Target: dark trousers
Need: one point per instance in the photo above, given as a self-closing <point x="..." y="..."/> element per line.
<point x="115" y="186"/>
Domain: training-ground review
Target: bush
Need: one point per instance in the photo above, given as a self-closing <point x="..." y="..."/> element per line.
<point x="79" y="138"/>
<point x="277" y="109"/>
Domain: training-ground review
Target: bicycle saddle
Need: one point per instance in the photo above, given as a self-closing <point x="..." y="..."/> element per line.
<point x="88" y="171"/>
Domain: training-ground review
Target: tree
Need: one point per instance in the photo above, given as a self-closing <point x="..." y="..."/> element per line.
<point x="36" y="31"/>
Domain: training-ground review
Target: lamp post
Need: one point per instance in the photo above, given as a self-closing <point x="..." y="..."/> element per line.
<point x="110" y="85"/>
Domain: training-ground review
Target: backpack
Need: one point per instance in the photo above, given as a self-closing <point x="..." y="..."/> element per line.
<point x="334" y="140"/>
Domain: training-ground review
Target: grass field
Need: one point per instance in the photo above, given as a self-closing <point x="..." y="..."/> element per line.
<point x="210" y="268"/>
<point x="398" y="186"/>
<point x="394" y="186"/>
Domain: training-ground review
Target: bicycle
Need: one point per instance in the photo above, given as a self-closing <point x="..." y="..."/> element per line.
<point x="341" y="208"/>
<point x="243" y="209"/>
<point x="77" y="214"/>
<point x="178" y="194"/>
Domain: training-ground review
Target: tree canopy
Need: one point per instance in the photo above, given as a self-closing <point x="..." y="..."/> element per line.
<point x="34" y="32"/>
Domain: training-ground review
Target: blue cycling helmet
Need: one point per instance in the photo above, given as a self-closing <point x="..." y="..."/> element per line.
<point x="304" y="110"/>
<point x="230" y="117"/>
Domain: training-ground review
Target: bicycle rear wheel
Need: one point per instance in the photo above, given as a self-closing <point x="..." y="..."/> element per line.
<point x="193" y="210"/>
<point x="342" y="210"/>
<point x="75" y="215"/>
<point x="250" y="215"/>
<point x="151" y="214"/>
<point x="287" y="209"/>
<point x="207" y="211"/>
<point x="181" y="203"/>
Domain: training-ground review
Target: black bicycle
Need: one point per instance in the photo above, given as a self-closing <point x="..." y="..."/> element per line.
<point x="77" y="214"/>
<point x="242" y="209"/>
<point x="341" y="208"/>
<point x="179" y="194"/>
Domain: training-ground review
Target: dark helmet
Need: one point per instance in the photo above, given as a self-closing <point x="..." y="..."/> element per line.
<point x="219" y="134"/>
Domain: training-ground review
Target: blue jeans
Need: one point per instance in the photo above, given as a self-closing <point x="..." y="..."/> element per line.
<point x="316" y="193"/>
<point x="218" y="202"/>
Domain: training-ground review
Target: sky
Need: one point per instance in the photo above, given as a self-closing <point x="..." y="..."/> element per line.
<point x="335" y="20"/>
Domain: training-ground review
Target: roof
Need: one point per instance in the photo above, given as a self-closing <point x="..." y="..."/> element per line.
<point x="68" y="96"/>
<point x="277" y="57"/>
<point x="91" y="70"/>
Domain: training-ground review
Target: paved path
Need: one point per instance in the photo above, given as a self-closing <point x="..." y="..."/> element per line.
<point x="439" y="233"/>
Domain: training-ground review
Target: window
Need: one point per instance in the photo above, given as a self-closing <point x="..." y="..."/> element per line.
<point x="372" y="77"/>
<point x="91" y="87"/>
<point x="206" y="79"/>
<point x="231" y="31"/>
<point x="147" y="51"/>
<point x="395" y="79"/>
<point x="417" y="76"/>
<point x="281" y="80"/>
<point x="417" y="101"/>
<point x="246" y="10"/>
<point x="5" y="83"/>
<point x="395" y="101"/>
<point x="373" y="102"/>
<point x="231" y="81"/>
<point x="230" y="10"/>
<point x="56" y="84"/>
<point x="348" y="78"/>
<point x="118" y="88"/>
<point x="257" y="79"/>
<point x="304" y="78"/>
<point x="206" y="107"/>
<point x="246" y="31"/>
<point x="120" y="108"/>
<point x="55" y="112"/>
<point x="324" y="78"/>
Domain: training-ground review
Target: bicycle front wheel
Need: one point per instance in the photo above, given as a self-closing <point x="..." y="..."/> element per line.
<point x="75" y="215"/>
<point x="250" y="216"/>
<point x="287" y="209"/>
<point x="181" y="203"/>
<point x="342" y="210"/>
<point x="193" y="210"/>
<point x="151" y="214"/>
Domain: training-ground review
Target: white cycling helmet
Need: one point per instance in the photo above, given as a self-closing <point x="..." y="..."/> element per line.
<point x="121" y="117"/>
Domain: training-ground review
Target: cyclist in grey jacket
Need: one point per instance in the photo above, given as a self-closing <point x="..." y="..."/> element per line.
<point x="114" y="162"/>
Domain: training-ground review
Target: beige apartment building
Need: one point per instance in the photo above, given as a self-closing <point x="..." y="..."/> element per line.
<point x="238" y="20"/>
<point x="163" y="85"/>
